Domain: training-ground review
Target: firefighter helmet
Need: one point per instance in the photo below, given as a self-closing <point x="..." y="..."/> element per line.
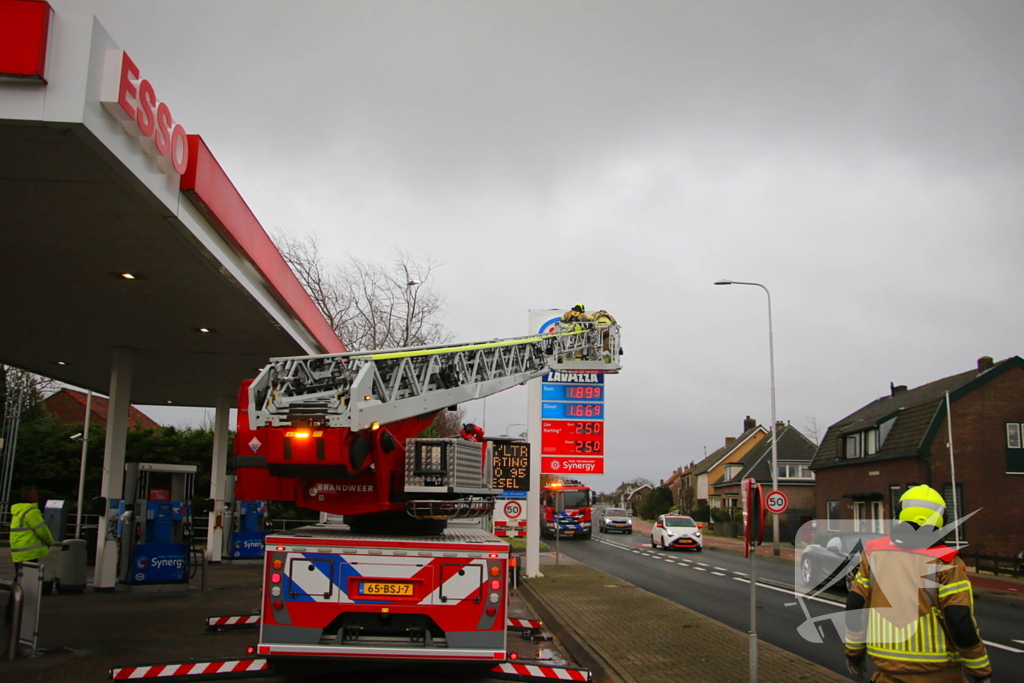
<point x="923" y="506"/>
<point x="579" y="308"/>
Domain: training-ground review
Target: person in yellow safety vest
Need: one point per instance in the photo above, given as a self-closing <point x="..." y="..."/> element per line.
<point x="602" y="321"/>
<point x="30" y="537"/>
<point x="913" y="592"/>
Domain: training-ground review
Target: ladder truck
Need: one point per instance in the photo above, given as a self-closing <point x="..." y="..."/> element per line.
<point x="386" y="578"/>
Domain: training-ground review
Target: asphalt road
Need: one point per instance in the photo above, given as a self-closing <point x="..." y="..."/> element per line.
<point x="717" y="584"/>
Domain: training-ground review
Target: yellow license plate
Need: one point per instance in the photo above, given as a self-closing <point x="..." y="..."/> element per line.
<point x="385" y="589"/>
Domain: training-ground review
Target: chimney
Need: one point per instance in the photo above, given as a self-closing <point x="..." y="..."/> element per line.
<point x="897" y="389"/>
<point x="729" y="441"/>
<point x="985" y="363"/>
<point x="749" y="424"/>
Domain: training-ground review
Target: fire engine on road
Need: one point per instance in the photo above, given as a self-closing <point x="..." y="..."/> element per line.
<point x="387" y="578"/>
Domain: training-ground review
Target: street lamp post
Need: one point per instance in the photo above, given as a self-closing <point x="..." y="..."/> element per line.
<point x="775" y="436"/>
<point x="408" y="309"/>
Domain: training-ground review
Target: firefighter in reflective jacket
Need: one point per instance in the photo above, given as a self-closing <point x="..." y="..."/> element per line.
<point x="30" y="537"/>
<point x="911" y="608"/>
<point x="603" y="321"/>
<point x="577" y="317"/>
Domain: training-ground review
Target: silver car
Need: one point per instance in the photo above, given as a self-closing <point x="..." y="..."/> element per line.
<point x="616" y="519"/>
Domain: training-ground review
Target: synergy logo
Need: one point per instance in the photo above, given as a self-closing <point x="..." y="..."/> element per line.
<point x="251" y="544"/>
<point x="167" y="563"/>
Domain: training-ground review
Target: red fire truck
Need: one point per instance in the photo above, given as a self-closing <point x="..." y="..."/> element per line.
<point x="387" y="578"/>
<point x="568" y="509"/>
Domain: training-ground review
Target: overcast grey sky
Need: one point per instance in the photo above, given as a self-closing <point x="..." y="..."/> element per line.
<point x="862" y="159"/>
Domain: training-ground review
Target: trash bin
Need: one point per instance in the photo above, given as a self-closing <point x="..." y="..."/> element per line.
<point x="89" y="533"/>
<point x="71" y="566"/>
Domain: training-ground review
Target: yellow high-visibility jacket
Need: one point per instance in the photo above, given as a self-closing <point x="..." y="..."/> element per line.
<point x="30" y="537"/>
<point x="907" y="630"/>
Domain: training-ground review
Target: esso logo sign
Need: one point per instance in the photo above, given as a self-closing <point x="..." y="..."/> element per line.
<point x="513" y="509"/>
<point x="132" y="101"/>
<point x="776" y="502"/>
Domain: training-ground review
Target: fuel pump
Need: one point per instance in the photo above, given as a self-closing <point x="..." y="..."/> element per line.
<point x="246" y="525"/>
<point x="156" y="540"/>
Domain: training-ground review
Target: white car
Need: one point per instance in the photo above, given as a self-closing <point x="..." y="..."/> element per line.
<point x="615" y="519"/>
<point x="677" y="531"/>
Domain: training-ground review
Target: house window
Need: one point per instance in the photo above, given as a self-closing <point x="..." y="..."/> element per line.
<point x="795" y="471"/>
<point x="894" y="500"/>
<point x="871" y="442"/>
<point x="1014" y="448"/>
<point x="947" y="496"/>
<point x="1013" y="430"/>
<point x="832" y="515"/>
<point x="862" y="443"/>
<point x="877" y="517"/>
<point x="854" y="445"/>
<point x="859" y="516"/>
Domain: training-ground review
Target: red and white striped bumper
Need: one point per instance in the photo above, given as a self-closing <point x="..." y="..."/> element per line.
<point x="221" y="667"/>
<point x="526" y="672"/>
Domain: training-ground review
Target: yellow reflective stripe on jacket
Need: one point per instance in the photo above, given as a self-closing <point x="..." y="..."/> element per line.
<point x="922" y="640"/>
<point x="958" y="587"/>
<point x="977" y="662"/>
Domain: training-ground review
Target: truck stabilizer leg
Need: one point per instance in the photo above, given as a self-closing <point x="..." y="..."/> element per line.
<point x="212" y="670"/>
<point x="517" y="671"/>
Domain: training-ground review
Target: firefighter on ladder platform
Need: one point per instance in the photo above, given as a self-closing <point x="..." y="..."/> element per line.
<point x="918" y="630"/>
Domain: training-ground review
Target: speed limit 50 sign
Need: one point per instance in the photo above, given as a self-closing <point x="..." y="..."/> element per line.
<point x="776" y="502"/>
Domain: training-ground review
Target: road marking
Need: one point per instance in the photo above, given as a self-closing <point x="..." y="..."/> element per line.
<point x="1018" y="641"/>
<point x="704" y="564"/>
<point x="1004" y="647"/>
<point x="721" y="569"/>
<point x="669" y="560"/>
<point x="736" y="578"/>
<point x="682" y="564"/>
<point x="718" y="573"/>
<point x="739" y="573"/>
<point x="700" y="569"/>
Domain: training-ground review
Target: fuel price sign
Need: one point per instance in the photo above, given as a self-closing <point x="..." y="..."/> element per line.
<point x="572" y="437"/>
<point x="510" y="465"/>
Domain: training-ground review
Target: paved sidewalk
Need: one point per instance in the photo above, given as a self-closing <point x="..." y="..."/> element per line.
<point x="624" y="633"/>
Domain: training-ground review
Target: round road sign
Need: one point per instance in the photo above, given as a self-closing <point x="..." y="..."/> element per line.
<point x="776" y="502"/>
<point x="513" y="509"/>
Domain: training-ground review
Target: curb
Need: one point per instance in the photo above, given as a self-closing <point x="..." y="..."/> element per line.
<point x="582" y="652"/>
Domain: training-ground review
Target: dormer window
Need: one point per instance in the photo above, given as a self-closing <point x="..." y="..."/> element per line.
<point x="732" y="470"/>
<point x="860" y="444"/>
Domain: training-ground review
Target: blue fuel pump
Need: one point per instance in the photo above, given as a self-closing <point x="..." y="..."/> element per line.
<point x="155" y="548"/>
<point x="248" y="530"/>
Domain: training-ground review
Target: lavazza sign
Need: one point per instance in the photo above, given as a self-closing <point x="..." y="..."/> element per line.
<point x="132" y="101"/>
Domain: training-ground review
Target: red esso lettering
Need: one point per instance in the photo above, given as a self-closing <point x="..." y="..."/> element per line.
<point x="144" y="115"/>
<point x="162" y="133"/>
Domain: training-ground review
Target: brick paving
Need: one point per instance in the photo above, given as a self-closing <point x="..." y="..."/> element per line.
<point x="644" y="638"/>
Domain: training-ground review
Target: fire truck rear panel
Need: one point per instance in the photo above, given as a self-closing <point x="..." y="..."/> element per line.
<point x="331" y="593"/>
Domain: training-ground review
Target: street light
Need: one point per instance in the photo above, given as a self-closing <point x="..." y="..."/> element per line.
<point x="408" y="308"/>
<point x="775" y="439"/>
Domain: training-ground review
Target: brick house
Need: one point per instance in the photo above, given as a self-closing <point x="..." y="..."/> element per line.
<point x="794" y="455"/>
<point x="695" y="490"/>
<point x="868" y="459"/>
<point x="68" y="406"/>
<point x="674" y="484"/>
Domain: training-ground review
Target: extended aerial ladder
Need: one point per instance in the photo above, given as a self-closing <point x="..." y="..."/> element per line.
<point x="329" y="431"/>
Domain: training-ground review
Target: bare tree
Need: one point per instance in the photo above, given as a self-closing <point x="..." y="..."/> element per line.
<point x="370" y="305"/>
<point x="813" y="429"/>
